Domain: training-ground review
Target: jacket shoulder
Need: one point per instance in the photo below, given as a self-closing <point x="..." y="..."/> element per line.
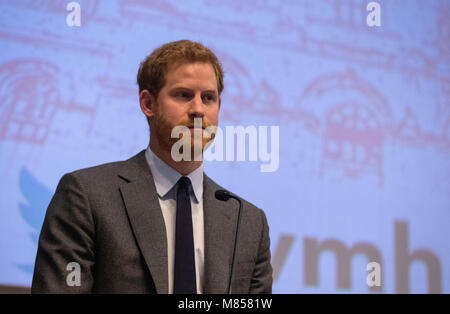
<point x="98" y="171"/>
<point x="105" y="172"/>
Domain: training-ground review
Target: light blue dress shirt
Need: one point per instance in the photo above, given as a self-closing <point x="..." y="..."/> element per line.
<point x="166" y="179"/>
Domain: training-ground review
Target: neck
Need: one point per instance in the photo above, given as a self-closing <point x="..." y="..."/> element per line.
<point x="183" y="167"/>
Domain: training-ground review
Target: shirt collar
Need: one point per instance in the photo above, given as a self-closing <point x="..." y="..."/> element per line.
<point x="166" y="177"/>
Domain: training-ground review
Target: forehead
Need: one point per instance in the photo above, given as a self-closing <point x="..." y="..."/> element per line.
<point x="198" y="75"/>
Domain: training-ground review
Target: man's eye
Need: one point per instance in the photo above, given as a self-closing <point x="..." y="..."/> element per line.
<point x="183" y="95"/>
<point x="209" y="98"/>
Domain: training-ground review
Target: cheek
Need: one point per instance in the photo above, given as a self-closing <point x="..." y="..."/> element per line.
<point x="174" y="114"/>
<point x="212" y="115"/>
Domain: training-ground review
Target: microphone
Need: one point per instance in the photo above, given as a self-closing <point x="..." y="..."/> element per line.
<point x="224" y="195"/>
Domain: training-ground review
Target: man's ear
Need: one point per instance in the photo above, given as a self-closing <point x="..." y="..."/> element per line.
<point x="147" y="103"/>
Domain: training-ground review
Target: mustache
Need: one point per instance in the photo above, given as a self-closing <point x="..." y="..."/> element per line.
<point x="192" y="125"/>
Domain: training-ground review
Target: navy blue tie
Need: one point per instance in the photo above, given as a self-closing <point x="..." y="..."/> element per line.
<point x="184" y="273"/>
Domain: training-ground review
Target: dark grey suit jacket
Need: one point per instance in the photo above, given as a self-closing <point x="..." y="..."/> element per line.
<point x="108" y="220"/>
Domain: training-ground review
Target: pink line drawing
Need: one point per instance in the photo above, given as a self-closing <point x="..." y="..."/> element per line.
<point x="30" y="97"/>
<point x="355" y="118"/>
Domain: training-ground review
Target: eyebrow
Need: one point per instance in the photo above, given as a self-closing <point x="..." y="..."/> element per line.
<point x="211" y="91"/>
<point x="215" y="91"/>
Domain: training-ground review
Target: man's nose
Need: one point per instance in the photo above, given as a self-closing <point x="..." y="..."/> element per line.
<point x="196" y="108"/>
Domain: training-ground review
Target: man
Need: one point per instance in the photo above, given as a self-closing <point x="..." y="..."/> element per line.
<point x="151" y="224"/>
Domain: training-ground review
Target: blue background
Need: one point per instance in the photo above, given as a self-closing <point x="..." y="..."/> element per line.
<point x="364" y="117"/>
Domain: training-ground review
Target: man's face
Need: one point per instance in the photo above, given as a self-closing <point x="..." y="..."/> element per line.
<point x="190" y="92"/>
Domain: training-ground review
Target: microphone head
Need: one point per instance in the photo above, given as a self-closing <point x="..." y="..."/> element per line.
<point x="222" y="195"/>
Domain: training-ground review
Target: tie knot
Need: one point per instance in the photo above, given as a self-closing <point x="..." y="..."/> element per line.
<point x="184" y="183"/>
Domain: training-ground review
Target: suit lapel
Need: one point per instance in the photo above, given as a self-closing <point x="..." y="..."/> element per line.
<point x="146" y="219"/>
<point x="220" y="227"/>
<point x="142" y="205"/>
